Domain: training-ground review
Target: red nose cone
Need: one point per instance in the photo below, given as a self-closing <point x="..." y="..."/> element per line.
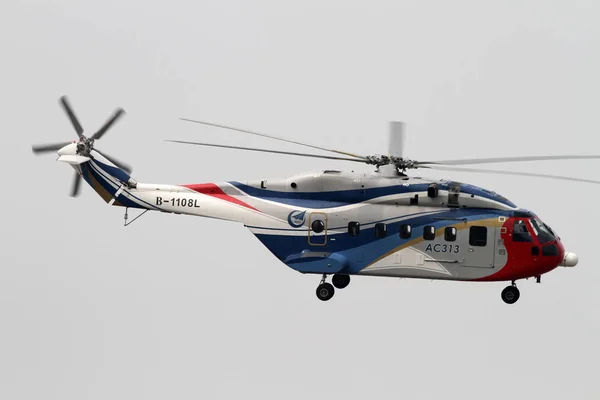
<point x="527" y="258"/>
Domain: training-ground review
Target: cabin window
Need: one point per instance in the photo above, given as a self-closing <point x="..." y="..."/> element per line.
<point x="450" y="234"/>
<point x="535" y="251"/>
<point x="520" y="232"/>
<point x="429" y="233"/>
<point x="550" y="250"/>
<point x="478" y="236"/>
<point x="380" y="230"/>
<point x="405" y="231"/>
<point x="353" y="228"/>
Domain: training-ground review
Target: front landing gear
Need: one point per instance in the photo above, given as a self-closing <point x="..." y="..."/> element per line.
<point x="511" y="294"/>
<point x="325" y="291"/>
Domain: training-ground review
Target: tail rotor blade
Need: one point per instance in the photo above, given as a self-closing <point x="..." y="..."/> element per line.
<point x="117" y="114"/>
<point x="118" y="163"/>
<point x="75" y="186"/>
<point x="47" y="148"/>
<point x="69" y="110"/>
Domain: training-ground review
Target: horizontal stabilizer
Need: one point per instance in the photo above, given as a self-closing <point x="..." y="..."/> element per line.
<point x="73" y="159"/>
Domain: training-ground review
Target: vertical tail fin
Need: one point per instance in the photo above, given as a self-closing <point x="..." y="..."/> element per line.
<point x="106" y="180"/>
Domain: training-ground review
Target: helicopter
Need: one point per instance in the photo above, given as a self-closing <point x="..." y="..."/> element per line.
<point x="342" y="224"/>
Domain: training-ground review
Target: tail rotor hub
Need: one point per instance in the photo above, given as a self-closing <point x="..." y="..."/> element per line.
<point x="85" y="146"/>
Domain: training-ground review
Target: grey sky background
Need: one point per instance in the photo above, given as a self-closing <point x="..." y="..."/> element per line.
<point x="182" y="307"/>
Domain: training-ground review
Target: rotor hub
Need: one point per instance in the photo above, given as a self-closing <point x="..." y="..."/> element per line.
<point x="401" y="163"/>
<point x="85" y="146"/>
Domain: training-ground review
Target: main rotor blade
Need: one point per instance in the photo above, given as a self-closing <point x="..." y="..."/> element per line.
<point x="118" y="163"/>
<point x="69" y="110"/>
<point x="268" y="151"/>
<point x="117" y="114"/>
<point x="47" y="148"/>
<point x="499" y="172"/>
<point x="275" y="138"/>
<point x="75" y="185"/>
<point x="508" y="159"/>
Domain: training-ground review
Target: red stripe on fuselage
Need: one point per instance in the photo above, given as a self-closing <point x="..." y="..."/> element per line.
<point x="210" y="189"/>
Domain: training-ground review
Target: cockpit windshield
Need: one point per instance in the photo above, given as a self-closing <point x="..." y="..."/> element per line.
<point x="542" y="231"/>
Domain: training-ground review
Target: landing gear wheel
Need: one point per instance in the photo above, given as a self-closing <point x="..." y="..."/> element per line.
<point x="510" y="294"/>
<point x="340" y="281"/>
<point x="325" y="291"/>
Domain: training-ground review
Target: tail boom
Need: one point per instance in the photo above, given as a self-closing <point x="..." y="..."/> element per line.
<point x="117" y="188"/>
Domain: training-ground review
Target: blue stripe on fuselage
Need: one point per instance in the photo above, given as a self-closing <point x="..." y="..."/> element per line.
<point x="366" y="246"/>
<point x="372" y="223"/>
<point x="113" y="171"/>
<point x="338" y="198"/>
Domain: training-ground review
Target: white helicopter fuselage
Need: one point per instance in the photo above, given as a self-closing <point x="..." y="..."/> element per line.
<point x="333" y="222"/>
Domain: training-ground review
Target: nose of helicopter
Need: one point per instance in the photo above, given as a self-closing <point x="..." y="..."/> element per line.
<point x="570" y="260"/>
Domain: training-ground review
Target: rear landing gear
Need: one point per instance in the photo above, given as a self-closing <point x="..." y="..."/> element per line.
<point x="340" y="281"/>
<point x="325" y="291"/>
<point x="510" y="294"/>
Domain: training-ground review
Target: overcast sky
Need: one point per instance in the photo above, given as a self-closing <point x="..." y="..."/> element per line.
<point x="187" y="308"/>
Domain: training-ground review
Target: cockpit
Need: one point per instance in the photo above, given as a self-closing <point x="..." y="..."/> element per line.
<point x="522" y="233"/>
<point x="543" y="232"/>
<point x="528" y="230"/>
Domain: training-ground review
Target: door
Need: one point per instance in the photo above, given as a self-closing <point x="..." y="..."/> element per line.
<point x="317" y="229"/>
<point x="480" y="247"/>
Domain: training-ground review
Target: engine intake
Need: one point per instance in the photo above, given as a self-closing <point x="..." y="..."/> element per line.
<point x="432" y="191"/>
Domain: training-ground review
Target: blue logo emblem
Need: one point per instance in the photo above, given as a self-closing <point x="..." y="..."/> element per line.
<point x="296" y="218"/>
